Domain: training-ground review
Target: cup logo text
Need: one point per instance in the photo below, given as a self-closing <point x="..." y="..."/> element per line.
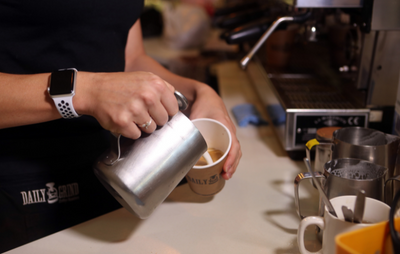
<point x="213" y="179"/>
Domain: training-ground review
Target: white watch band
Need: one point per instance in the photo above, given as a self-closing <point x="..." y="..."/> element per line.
<point x="65" y="107"/>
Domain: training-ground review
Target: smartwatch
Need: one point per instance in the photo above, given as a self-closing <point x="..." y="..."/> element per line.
<point x="62" y="89"/>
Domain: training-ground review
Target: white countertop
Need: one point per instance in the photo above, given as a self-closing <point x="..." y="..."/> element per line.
<point x="254" y="213"/>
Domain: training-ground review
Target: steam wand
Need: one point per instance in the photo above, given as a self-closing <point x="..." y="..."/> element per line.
<point x="264" y="37"/>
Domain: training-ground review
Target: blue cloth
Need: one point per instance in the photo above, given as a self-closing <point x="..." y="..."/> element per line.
<point x="247" y="114"/>
<point x="277" y="114"/>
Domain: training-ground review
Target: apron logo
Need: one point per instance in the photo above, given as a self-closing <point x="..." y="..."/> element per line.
<point x="62" y="194"/>
<point x="52" y="193"/>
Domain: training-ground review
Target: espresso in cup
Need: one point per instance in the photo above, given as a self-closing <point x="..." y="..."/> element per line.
<point x="215" y="155"/>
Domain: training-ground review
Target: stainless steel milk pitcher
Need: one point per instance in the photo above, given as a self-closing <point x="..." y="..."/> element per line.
<point x="141" y="173"/>
<point x="365" y="144"/>
<point x="346" y="176"/>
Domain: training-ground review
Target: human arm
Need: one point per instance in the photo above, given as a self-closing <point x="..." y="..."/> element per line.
<point x="24" y="100"/>
<point x="204" y="101"/>
<point x="119" y="101"/>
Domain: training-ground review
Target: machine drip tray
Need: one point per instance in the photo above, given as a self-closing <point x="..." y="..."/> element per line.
<point x="308" y="102"/>
<point x="308" y="92"/>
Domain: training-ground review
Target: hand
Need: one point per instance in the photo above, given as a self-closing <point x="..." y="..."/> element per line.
<point x="209" y="105"/>
<point x="125" y="102"/>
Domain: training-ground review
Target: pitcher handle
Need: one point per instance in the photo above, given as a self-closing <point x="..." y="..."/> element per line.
<point x="297" y="181"/>
<point x="310" y="144"/>
<point x="115" y="151"/>
<point x="115" y="154"/>
<point x="182" y="101"/>
<point x="314" y="142"/>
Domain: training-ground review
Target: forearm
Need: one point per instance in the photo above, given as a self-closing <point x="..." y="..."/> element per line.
<point x="119" y="101"/>
<point x="24" y="100"/>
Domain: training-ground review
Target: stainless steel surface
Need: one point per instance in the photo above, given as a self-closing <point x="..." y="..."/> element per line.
<point x="326" y="3"/>
<point x="379" y="67"/>
<point x="294" y="93"/>
<point x="367" y="144"/>
<point x="182" y="101"/>
<point x="355" y="175"/>
<point x="366" y="58"/>
<point x="115" y="153"/>
<point x="385" y="69"/>
<point x="385" y="15"/>
<point x="347" y="176"/>
<point x="321" y="191"/>
<point x="150" y="167"/>
<point x="297" y="180"/>
<point x="292" y="128"/>
<point x="359" y="207"/>
<point x="323" y="153"/>
<point x="347" y="213"/>
<point x="244" y="62"/>
<point x="302" y="91"/>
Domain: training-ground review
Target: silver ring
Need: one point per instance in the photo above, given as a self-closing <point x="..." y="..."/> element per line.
<point x="145" y="125"/>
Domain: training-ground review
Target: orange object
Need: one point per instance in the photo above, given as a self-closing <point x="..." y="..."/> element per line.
<point x="369" y="240"/>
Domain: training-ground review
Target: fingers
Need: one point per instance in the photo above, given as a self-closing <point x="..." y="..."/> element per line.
<point x="232" y="160"/>
<point x="170" y="102"/>
<point x="143" y="104"/>
<point x="234" y="155"/>
<point x="154" y="112"/>
<point x="131" y="130"/>
<point x="148" y="126"/>
<point x="150" y="107"/>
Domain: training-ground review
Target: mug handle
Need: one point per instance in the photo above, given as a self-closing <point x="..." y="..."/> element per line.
<point x="297" y="181"/>
<point x="308" y="221"/>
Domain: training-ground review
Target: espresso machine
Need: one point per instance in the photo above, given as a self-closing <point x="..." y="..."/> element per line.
<point x="327" y="62"/>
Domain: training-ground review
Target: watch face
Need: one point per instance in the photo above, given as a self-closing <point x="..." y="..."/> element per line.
<point x="62" y="82"/>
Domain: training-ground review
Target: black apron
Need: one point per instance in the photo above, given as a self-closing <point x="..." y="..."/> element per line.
<point x="46" y="177"/>
<point x="47" y="185"/>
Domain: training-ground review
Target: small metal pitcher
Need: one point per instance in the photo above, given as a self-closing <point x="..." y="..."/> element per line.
<point x="141" y="173"/>
<point x="366" y="144"/>
<point x="346" y="176"/>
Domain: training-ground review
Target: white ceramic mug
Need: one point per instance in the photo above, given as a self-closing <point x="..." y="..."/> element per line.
<point x="375" y="211"/>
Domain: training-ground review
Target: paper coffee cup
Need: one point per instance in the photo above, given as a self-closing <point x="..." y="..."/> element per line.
<point x="206" y="180"/>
